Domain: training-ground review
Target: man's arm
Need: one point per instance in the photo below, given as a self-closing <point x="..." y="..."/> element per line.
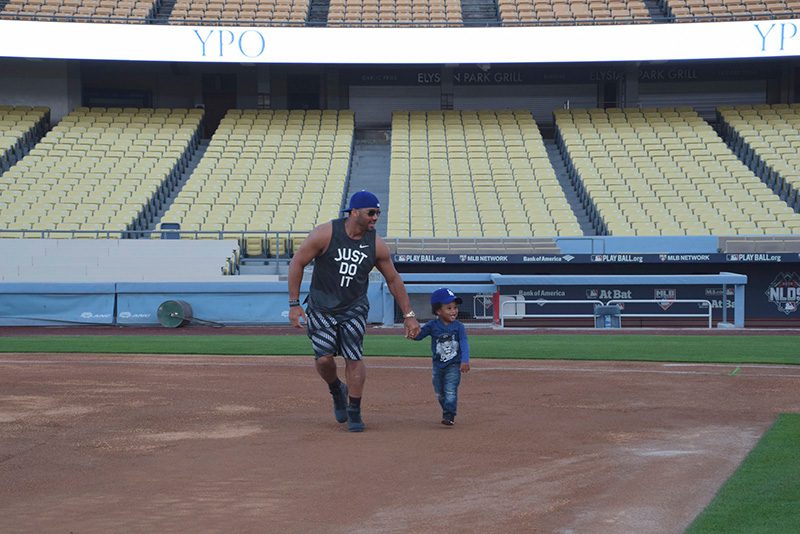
<point x="315" y="244"/>
<point x="383" y="261"/>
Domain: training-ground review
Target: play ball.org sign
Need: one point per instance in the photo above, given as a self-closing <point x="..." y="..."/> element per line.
<point x="784" y="292"/>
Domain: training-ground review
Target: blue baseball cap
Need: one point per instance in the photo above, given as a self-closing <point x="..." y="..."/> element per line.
<point x="363" y="199"/>
<point x="444" y="296"/>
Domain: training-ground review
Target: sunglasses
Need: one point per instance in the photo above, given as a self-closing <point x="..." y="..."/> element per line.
<point x="373" y="213"/>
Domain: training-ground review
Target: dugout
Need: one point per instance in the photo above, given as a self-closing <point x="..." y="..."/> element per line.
<point x="571" y="299"/>
<point x="771" y="294"/>
<point x="771" y="265"/>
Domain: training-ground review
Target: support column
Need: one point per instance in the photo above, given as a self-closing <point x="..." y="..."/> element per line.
<point x="630" y="89"/>
<point x="447" y="88"/>
<point x="263" y="87"/>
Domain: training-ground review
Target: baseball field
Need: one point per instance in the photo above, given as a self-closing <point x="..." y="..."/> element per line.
<point x="231" y="430"/>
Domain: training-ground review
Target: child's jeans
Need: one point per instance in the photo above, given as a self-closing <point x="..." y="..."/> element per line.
<point x="445" y="385"/>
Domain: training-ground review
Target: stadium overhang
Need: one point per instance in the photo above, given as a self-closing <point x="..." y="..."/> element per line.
<point x="552" y="44"/>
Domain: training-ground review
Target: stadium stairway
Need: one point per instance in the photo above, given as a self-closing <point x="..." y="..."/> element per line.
<point x="246" y="266"/>
<point x="657" y="10"/>
<point x="190" y="167"/>
<point x="562" y="174"/>
<point x="318" y="13"/>
<point x="480" y="12"/>
<point x="164" y="11"/>
<point x="369" y="169"/>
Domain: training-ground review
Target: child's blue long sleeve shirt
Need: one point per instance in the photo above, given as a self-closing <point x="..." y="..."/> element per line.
<point x="448" y="342"/>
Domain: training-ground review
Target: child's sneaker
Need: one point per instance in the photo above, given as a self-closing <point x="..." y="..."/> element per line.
<point x="340" y="404"/>
<point x="448" y="419"/>
<point x="354" y="422"/>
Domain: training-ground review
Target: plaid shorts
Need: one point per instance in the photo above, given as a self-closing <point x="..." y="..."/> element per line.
<point x="342" y="335"/>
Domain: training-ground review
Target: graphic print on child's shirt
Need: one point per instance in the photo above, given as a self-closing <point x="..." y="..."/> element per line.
<point x="446" y="347"/>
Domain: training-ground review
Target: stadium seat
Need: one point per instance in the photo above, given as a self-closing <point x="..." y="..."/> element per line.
<point x="679" y="162"/>
<point x="452" y="173"/>
<point x="266" y="179"/>
<point x="395" y="13"/>
<point x="765" y="139"/>
<point x="241" y="12"/>
<point x="724" y="10"/>
<point x="127" y="11"/>
<point x="78" y="182"/>
<point x="21" y="128"/>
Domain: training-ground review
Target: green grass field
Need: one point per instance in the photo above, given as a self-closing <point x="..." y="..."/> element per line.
<point x="672" y="348"/>
<point x="763" y="495"/>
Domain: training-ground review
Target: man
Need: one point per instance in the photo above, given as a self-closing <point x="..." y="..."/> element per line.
<point x="344" y="252"/>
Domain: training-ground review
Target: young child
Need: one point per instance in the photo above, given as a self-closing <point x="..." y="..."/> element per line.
<point x="450" y="350"/>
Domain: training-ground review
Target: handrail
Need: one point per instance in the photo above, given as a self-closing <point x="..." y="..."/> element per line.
<point x="661" y="301"/>
<point x="543" y="302"/>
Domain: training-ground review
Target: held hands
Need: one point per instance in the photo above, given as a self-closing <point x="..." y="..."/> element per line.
<point x="295" y="314"/>
<point x="411" y="326"/>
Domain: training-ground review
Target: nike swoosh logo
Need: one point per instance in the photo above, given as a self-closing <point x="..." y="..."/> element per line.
<point x="363" y="246"/>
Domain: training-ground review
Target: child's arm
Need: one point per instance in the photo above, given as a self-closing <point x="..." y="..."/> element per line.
<point x="464" y="345"/>
<point x="424" y="331"/>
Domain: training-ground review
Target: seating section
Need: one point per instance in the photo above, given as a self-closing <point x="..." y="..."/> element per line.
<point x="665" y="172"/>
<point x="268" y="171"/>
<point x="101" y="170"/>
<point x="395" y="13"/>
<point x="722" y="10"/>
<point x="767" y="139"/>
<point x="20" y="128"/>
<point x="573" y="11"/>
<point x="125" y="11"/>
<point x="473" y="174"/>
<point x="277" y="12"/>
<point x="478" y="245"/>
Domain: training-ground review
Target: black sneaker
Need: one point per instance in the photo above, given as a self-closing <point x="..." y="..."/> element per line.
<point x="448" y="419"/>
<point x="340" y="404"/>
<point x="354" y="422"/>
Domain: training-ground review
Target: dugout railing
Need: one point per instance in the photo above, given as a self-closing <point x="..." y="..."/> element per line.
<point x="505" y="304"/>
<point x="664" y="304"/>
<point x="510" y="284"/>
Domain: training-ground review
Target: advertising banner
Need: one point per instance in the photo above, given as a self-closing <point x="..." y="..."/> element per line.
<point x="56" y="304"/>
<point x="542" y="44"/>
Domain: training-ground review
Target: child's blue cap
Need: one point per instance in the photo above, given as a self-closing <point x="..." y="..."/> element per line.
<point x="444" y="296"/>
<point x="363" y="199"/>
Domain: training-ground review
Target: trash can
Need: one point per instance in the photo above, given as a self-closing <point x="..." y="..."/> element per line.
<point x="167" y="234"/>
<point x="607" y="316"/>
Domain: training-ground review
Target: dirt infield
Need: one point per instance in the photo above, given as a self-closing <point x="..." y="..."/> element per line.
<point x="248" y="444"/>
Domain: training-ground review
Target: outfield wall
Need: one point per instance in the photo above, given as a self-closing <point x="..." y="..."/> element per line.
<point x="772" y="293"/>
<point x="233" y="301"/>
<point x="247" y="300"/>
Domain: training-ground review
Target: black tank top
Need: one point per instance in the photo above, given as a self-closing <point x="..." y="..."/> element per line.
<point x="341" y="273"/>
